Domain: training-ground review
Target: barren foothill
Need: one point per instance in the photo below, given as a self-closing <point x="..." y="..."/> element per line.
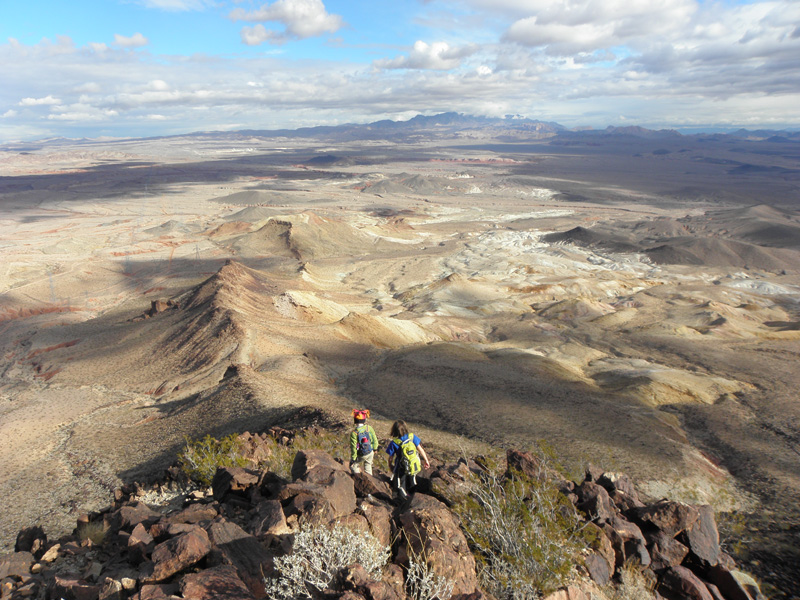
<point x="632" y="302"/>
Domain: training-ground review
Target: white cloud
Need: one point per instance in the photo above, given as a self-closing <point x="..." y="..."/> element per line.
<point x="301" y="19"/>
<point x="137" y="40"/>
<point x="9" y="113"/>
<point x="46" y="101"/>
<point x="437" y="56"/>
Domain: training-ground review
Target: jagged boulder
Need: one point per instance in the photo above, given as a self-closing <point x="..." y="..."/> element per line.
<point x="432" y="533"/>
<point x="178" y="553"/>
<point x="217" y="583"/>
<point x="268" y="519"/>
<point x="679" y="583"/>
<point x="233" y="481"/>
<point x="593" y="499"/>
<point x="668" y="516"/>
<point x="702" y="539"/>
<point x="33" y="540"/>
<point x="233" y="546"/>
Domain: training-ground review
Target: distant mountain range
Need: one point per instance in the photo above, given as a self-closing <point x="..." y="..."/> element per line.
<point x="456" y="125"/>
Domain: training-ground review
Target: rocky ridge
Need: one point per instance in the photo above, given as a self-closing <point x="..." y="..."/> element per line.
<point x="224" y="542"/>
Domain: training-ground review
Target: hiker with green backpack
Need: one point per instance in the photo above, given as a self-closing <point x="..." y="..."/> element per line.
<point x="405" y="451"/>
<point x="363" y="443"/>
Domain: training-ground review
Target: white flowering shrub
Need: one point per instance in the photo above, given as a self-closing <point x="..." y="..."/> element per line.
<point x="318" y="553"/>
<point x="423" y="584"/>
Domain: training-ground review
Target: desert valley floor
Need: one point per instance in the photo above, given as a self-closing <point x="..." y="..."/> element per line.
<point x="633" y="302"/>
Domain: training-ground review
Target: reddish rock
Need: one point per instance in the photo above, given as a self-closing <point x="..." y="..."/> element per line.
<point x="601" y="544"/>
<point x="627" y="541"/>
<point x="16" y="564"/>
<point x="194" y="513"/>
<point x="525" y="463"/>
<point x="714" y="591"/>
<point x="255" y="448"/>
<point x="572" y="592"/>
<point x="268" y="519"/>
<point x="702" y="538"/>
<point x="367" y="485"/>
<point x="665" y="551"/>
<point x="162" y="591"/>
<point x="313" y="508"/>
<point x="306" y="461"/>
<point x="593" y="473"/>
<point x="130" y="514"/>
<point x="140" y="544"/>
<point x="354" y="522"/>
<point x="178" y="553"/>
<point x="599" y="569"/>
<point x="241" y="550"/>
<point x="433" y="534"/>
<point x="217" y="583"/>
<point x="728" y="584"/>
<point x="71" y="587"/>
<point x="594" y="500"/>
<point x="679" y="583"/>
<point x="618" y="482"/>
<point x="393" y="576"/>
<point x="235" y="481"/>
<point x="379" y="518"/>
<point x="337" y="490"/>
<point x="33" y="540"/>
<point x="355" y="578"/>
<point x="666" y="515"/>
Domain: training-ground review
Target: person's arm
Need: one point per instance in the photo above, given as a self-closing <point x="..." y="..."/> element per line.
<point x="353" y="446"/>
<point x="424" y="456"/>
<point x="373" y="439"/>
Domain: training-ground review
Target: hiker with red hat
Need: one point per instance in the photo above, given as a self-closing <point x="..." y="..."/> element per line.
<point x="363" y="443"/>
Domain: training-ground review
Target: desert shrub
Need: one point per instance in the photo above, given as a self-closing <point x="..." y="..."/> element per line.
<point x="422" y="583"/>
<point x="633" y="584"/>
<point x="200" y="458"/>
<point x="525" y="535"/>
<point x="318" y="553"/>
<point x="94" y="531"/>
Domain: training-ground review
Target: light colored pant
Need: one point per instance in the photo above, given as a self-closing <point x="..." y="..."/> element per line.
<point x="366" y="460"/>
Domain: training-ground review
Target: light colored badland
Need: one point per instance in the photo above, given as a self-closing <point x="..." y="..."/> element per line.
<point x="602" y="302"/>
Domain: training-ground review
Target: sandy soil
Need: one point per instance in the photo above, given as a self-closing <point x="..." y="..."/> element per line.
<point x="497" y="294"/>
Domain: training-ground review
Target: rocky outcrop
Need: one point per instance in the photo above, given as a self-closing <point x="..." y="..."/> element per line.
<point x="224" y="543"/>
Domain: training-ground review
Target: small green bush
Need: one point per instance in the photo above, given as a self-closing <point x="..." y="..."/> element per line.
<point x="200" y="458"/>
<point x="525" y="535"/>
<point x="318" y="553"/>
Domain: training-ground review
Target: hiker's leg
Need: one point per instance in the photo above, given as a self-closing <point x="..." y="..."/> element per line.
<point x="355" y="466"/>
<point x="368" y="463"/>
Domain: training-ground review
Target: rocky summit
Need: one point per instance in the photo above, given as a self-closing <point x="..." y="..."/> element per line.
<point x="233" y="539"/>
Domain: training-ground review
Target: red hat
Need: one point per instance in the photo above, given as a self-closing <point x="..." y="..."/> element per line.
<point x="362" y="414"/>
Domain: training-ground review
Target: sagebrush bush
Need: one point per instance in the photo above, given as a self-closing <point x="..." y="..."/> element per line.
<point x="200" y="458"/>
<point x="422" y="583"/>
<point x="633" y="584"/>
<point x="94" y="531"/>
<point x="525" y="535"/>
<point x="318" y="553"/>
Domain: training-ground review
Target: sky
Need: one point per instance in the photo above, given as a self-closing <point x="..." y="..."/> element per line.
<point x="137" y="68"/>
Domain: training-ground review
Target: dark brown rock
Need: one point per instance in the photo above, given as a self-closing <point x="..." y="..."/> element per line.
<point x="627" y="541"/>
<point x="601" y="544"/>
<point x="218" y="583"/>
<point x="140" y="544"/>
<point x="336" y="489"/>
<point x="714" y="591"/>
<point x="234" y="481"/>
<point x="130" y="514"/>
<point x="432" y="533"/>
<point x="666" y="515"/>
<point x="595" y="502"/>
<point x="679" y="583"/>
<point x="178" y="553"/>
<point x="355" y="578"/>
<point x="702" y="538"/>
<point x="665" y="551"/>
<point x="525" y="463"/>
<point x="242" y="551"/>
<point x="16" y="564"/>
<point x="367" y="485"/>
<point x="618" y="482"/>
<point x="306" y="461"/>
<point x="268" y="519"/>
<point x="33" y="540"/>
<point x="599" y="569"/>
<point x="72" y="587"/>
<point x="593" y="473"/>
<point x="379" y="518"/>
<point x="161" y="591"/>
<point x="194" y="513"/>
<point x="313" y="508"/>
<point x="728" y="584"/>
<point x="393" y="576"/>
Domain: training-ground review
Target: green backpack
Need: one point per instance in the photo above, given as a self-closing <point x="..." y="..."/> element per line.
<point x="408" y="453"/>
